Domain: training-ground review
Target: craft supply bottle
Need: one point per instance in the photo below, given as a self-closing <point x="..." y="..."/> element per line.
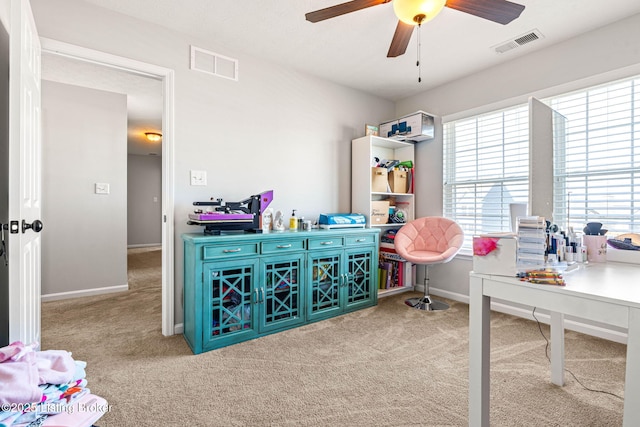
<point x="583" y="254"/>
<point x="293" y="221"/>
<point x="568" y="255"/>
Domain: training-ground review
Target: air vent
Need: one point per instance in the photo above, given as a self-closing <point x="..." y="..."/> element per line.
<point x="213" y="63"/>
<point x="529" y="37"/>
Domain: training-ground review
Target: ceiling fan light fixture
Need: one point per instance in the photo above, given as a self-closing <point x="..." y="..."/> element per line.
<point x="416" y="12"/>
<point x="153" y="136"/>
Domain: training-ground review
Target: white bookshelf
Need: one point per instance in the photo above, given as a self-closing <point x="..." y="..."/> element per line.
<point x="363" y="150"/>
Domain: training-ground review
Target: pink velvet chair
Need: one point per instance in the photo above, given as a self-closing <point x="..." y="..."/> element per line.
<point x="428" y="240"/>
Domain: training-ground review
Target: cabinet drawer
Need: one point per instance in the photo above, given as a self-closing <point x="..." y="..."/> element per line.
<point x="360" y="240"/>
<point x="229" y="250"/>
<point x="282" y="246"/>
<point x="326" y="242"/>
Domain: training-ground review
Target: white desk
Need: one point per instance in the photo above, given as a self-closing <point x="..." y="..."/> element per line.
<point x="606" y="292"/>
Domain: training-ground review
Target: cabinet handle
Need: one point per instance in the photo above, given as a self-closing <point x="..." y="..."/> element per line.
<point x="257" y="296"/>
<point x="330" y="242"/>
<point x="284" y="246"/>
<point x="226" y="251"/>
<point x="360" y="240"/>
<point x="262" y="294"/>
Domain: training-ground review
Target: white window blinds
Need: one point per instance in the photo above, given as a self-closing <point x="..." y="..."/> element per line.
<point x="486" y="167"/>
<point x="597" y="167"/>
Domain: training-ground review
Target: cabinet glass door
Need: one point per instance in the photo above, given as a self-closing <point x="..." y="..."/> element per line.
<point x="324" y="278"/>
<point x="280" y="292"/>
<point x="360" y="280"/>
<point x="228" y="300"/>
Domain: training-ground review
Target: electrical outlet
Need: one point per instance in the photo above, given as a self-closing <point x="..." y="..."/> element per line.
<point x="102" y="188"/>
<point x="198" y="177"/>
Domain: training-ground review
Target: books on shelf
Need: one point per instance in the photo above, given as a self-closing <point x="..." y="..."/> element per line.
<point x="392" y="270"/>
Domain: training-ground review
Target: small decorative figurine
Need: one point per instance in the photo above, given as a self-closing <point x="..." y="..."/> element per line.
<point x="278" y="222"/>
<point x="267" y="220"/>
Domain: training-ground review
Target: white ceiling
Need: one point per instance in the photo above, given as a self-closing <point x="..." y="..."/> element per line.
<point x="351" y="49"/>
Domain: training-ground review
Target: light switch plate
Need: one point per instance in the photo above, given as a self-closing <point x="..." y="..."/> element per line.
<point x="198" y="177"/>
<point x="102" y="188"/>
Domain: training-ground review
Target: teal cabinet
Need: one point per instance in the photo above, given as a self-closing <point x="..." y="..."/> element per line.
<point x="281" y="292"/>
<point x="341" y="280"/>
<point x="229" y="312"/>
<point x="361" y="278"/>
<point x="325" y="278"/>
<point x="242" y="286"/>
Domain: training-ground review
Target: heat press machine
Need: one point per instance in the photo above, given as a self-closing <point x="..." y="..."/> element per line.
<point x="231" y="216"/>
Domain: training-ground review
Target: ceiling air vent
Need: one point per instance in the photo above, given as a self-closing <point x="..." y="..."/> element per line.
<point x="213" y="63"/>
<point x="529" y="37"/>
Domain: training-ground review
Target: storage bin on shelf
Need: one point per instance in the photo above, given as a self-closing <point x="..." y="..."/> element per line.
<point x="398" y="181"/>
<point x="379" y="182"/>
<point x="379" y="212"/>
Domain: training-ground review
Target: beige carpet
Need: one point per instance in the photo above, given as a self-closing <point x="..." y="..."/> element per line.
<point x="387" y="365"/>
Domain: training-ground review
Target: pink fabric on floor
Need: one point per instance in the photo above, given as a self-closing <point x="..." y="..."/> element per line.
<point x="55" y="367"/>
<point x="11" y="350"/>
<point x="19" y="381"/>
<point x="22" y="370"/>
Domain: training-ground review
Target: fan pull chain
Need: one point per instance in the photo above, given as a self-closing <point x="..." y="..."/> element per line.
<point x="418" y="55"/>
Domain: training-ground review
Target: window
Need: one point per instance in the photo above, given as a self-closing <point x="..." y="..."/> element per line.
<point x="486" y="167"/>
<point x="596" y="163"/>
<point x="597" y="167"/>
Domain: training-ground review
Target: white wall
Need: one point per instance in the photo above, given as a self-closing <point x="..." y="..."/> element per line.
<point x="273" y="129"/>
<point x="84" y="241"/>
<point x="609" y="53"/>
<point x="144" y="200"/>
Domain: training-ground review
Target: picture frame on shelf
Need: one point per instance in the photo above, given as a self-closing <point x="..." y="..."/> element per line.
<point x="371" y="130"/>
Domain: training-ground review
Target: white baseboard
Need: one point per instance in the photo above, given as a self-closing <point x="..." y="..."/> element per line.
<point x="178" y="328"/>
<point x="144" y="245"/>
<point x="84" y="293"/>
<point x="502" y="307"/>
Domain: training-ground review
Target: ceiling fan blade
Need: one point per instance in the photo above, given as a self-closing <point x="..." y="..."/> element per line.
<point x="400" y="39"/>
<point x="500" y="11"/>
<point x="341" y="9"/>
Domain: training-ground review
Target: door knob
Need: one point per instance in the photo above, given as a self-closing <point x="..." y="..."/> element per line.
<point x="36" y="226"/>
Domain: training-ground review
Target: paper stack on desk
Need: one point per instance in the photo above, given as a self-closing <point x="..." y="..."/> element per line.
<point x="532" y="243"/>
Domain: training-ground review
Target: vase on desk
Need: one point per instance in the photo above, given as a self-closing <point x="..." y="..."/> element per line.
<point x="596" y="248"/>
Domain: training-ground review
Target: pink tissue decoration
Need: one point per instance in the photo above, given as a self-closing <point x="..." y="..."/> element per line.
<point x="483" y="246"/>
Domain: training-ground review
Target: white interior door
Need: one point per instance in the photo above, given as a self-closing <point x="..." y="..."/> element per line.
<point x="25" y="185"/>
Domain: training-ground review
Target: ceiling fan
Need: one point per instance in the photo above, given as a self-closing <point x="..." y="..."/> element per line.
<point x="413" y="13"/>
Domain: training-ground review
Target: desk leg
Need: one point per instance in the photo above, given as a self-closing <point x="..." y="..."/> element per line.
<point x="632" y="376"/>
<point x="557" y="348"/>
<point x="479" y="350"/>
